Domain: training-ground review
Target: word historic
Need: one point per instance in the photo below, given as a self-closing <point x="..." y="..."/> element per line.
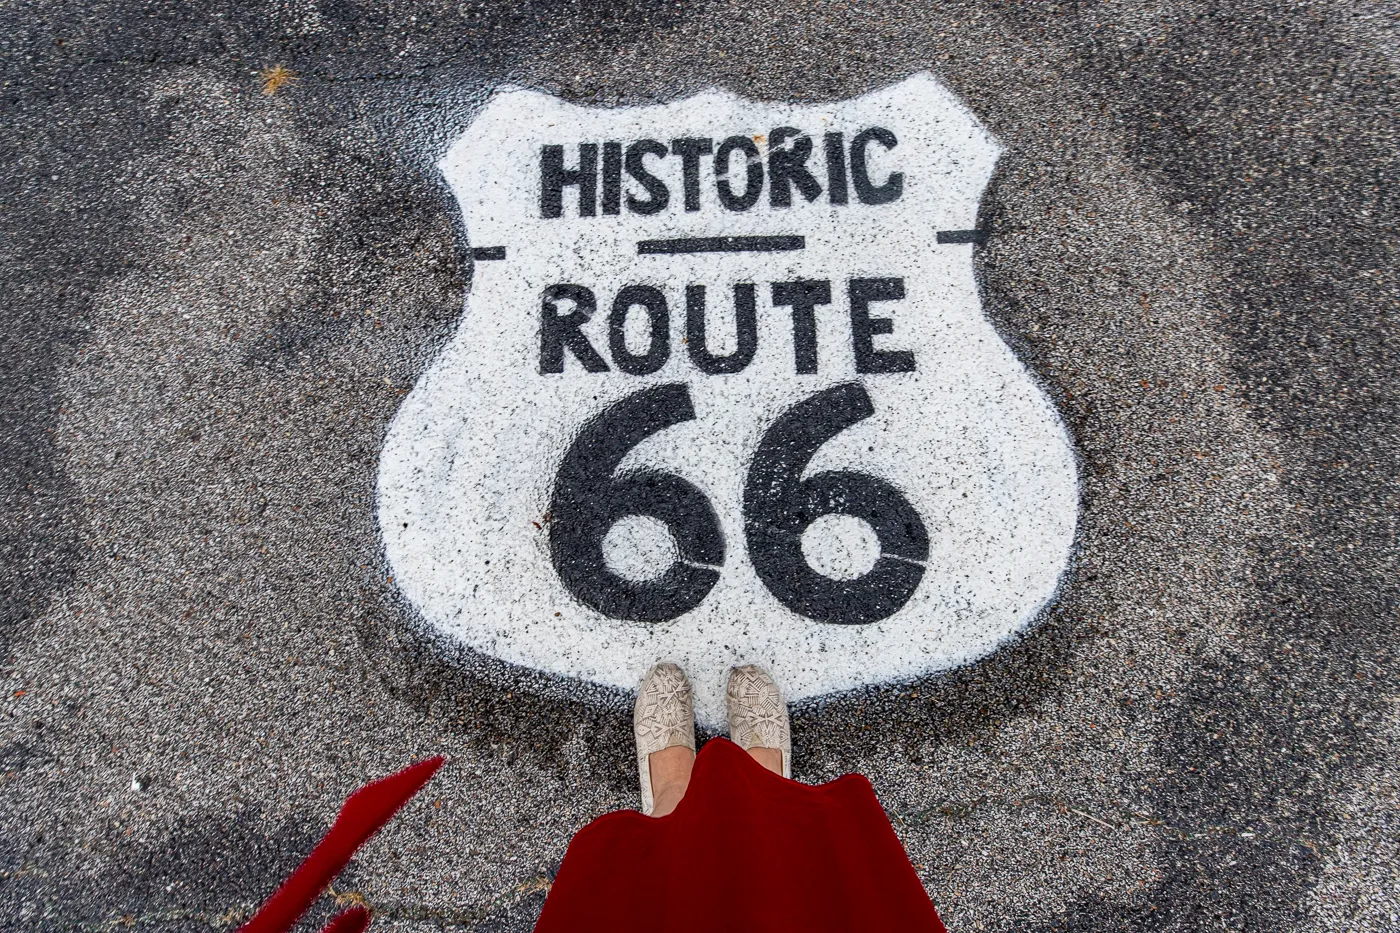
<point x="736" y="172"/>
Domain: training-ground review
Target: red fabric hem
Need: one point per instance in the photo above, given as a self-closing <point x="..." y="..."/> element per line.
<point x="707" y="759"/>
<point x="746" y="849"/>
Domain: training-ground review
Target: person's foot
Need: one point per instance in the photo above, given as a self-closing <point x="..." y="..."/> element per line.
<point x="663" y="722"/>
<point x="758" y="718"/>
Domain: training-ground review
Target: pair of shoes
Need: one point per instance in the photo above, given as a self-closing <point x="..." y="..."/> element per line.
<point x="664" y="716"/>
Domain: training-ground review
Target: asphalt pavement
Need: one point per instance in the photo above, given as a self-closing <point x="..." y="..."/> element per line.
<point x="221" y="279"/>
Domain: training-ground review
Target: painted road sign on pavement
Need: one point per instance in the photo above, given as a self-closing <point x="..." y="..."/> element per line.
<point x="727" y="395"/>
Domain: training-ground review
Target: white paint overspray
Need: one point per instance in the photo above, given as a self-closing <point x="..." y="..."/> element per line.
<point x="468" y="466"/>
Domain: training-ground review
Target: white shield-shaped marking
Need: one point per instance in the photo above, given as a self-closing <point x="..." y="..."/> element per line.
<point x="725" y="398"/>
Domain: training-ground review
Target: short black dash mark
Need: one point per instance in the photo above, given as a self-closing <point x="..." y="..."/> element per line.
<point x="483" y="253"/>
<point x="964" y="236"/>
<point x="721" y="244"/>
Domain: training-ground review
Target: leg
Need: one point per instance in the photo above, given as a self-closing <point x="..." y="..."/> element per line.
<point x="670" y="776"/>
<point x="770" y="758"/>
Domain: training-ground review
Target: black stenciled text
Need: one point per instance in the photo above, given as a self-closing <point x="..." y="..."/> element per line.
<point x="566" y="308"/>
<point x="732" y="172"/>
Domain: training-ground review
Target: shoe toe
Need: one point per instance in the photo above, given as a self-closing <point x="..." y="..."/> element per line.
<point x="664" y="715"/>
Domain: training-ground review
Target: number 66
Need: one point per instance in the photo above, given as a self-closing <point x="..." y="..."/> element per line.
<point x="778" y="506"/>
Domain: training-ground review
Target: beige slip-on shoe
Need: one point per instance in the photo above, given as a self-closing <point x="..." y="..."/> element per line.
<point x="662" y="718"/>
<point x="758" y="717"/>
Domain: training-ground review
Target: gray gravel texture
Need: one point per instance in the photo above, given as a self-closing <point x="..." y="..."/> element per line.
<point x="214" y="300"/>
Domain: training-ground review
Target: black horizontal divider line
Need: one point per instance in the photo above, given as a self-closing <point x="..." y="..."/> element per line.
<point x="734" y="244"/>
<point x="721" y="244"/>
<point x="963" y="236"/>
